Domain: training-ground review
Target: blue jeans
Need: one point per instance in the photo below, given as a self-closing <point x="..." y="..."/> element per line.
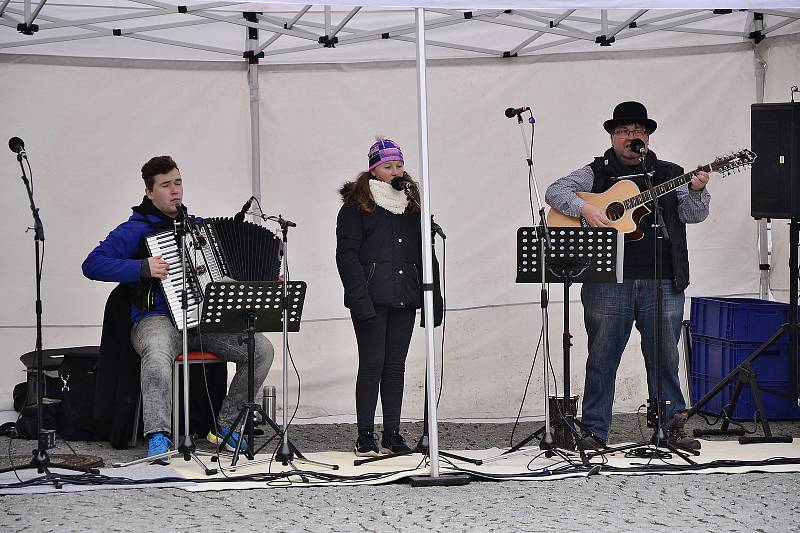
<point x="158" y="342"/>
<point x="609" y="311"/>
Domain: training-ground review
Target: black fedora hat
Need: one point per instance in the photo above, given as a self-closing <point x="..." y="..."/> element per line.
<point x="630" y="113"/>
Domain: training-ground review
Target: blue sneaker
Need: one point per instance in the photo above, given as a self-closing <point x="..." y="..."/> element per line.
<point x="158" y="444"/>
<point x="222" y="432"/>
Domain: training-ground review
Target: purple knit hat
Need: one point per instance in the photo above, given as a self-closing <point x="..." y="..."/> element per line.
<point x="384" y="150"/>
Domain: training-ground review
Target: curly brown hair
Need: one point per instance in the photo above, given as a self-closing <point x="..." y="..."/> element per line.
<point x="356" y="193"/>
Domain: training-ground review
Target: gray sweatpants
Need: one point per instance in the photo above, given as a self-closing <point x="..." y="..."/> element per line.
<point x="158" y="342"/>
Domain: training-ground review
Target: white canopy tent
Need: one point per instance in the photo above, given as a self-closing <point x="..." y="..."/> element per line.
<point x="295" y="33"/>
<point x="91" y="95"/>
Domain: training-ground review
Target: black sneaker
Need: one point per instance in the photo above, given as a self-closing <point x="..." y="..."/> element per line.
<point x="367" y="445"/>
<point x="677" y="436"/>
<point x="393" y="442"/>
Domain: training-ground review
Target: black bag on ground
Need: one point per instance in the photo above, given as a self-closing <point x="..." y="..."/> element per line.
<point x="78" y="374"/>
<point x="26" y="424"/>
<point x="20" y="394"/>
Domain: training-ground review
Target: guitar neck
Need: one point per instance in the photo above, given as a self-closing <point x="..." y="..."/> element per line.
<point x="663" y="188"/>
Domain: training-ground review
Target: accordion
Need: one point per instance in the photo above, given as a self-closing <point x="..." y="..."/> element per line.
<point x="224" y="249"/>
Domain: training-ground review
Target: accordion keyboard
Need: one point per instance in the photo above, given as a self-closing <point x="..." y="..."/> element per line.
<point x="202" y="269"/>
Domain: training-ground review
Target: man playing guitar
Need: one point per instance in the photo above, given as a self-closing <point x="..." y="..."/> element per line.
<point x="611" y="309"/>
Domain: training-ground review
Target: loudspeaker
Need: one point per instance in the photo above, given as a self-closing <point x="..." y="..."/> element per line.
<point x="775" y="176"/>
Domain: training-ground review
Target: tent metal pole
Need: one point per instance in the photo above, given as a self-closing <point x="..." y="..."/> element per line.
<point x="36" y="12"/>
<point x="427" y="257"/>
<point x="255" y="126"/>
<point x="764" y="227"/>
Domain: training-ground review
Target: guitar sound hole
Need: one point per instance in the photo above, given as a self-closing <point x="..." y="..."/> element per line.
<point x="614" y="211"/>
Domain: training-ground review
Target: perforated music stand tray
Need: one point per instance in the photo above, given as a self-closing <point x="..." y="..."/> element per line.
<point x="592" y="254"/>
<point x="226" y="305"/>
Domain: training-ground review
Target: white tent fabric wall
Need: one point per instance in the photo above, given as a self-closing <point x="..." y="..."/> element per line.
<point x="88" y="130"/>
<point x="479" y="192"/>
<point x="89" y="137"/>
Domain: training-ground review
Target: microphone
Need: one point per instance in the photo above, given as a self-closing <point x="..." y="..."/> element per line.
<point x="17" y="146"/>
<point x="637" y="146"/>
<point x="183" y="216"/>
<point x="512" y="112"/>
<point x="399" y="184"/>
<point x="239" y="217"/>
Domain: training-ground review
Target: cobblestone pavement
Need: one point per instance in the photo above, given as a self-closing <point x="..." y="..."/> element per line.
<point x="715" y="502"/>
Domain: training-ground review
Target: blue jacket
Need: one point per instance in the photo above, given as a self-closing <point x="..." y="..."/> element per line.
<point x="119" y="257"/>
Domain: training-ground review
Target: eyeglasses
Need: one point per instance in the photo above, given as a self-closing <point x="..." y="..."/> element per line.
<point x="624" y="132"/>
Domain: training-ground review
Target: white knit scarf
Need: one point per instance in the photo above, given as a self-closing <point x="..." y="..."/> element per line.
<point x="388" y="197"/>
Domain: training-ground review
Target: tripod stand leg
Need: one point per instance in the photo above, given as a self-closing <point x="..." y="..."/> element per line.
<point x="277" y="432"/>
<point x="762" y="416"/>
<point x="521" y="444"/>
<point x="682" y="453"/>
<point x="730" y="407"/>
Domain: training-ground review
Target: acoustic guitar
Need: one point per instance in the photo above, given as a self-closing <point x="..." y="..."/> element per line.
<point x="624" y="205"/>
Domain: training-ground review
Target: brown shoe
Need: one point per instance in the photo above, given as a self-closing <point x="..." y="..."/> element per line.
<point x="677" y="436"/>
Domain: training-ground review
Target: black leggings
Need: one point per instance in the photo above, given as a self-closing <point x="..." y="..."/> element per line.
<point x="382" y="349"/>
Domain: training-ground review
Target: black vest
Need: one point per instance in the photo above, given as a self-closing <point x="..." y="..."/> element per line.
<point x="664" y="171"/>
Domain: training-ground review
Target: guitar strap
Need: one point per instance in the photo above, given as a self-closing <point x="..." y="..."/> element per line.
<point x="603" y="180"/>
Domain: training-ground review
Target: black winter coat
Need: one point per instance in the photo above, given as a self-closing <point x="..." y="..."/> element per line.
<point x="379" y="257"/>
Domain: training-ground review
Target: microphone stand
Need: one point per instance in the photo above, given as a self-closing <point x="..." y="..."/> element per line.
<point x="545" y="433"/>
<point x="46" y="437"/>
<point x="544" y="245"/>
<point x="661" y="235"/>
<point x="183" y="228"/>
<point x="659" y="438"/>
<point x="287" y="452"/>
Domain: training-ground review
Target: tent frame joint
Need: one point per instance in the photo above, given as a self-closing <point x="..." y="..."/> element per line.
<point x="756" y="36"/>
<point x="602" y="40"/>
<point x="251" y="55"/>
<point x="328" y="42"/>
<point x="27" y="29"/>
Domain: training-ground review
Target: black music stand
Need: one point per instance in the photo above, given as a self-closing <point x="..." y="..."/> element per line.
<point x="250" y="307"/>
<point x="576" y="255"/>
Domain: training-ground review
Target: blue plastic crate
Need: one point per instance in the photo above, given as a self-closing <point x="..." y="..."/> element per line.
<point x="716" y="358"/>
<point x="737" y="319"/>
<point x="712" y="359"/>
<point x="776" y="407"/>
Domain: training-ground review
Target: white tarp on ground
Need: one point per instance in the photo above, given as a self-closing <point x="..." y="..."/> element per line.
<point x="90" y="125"/>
